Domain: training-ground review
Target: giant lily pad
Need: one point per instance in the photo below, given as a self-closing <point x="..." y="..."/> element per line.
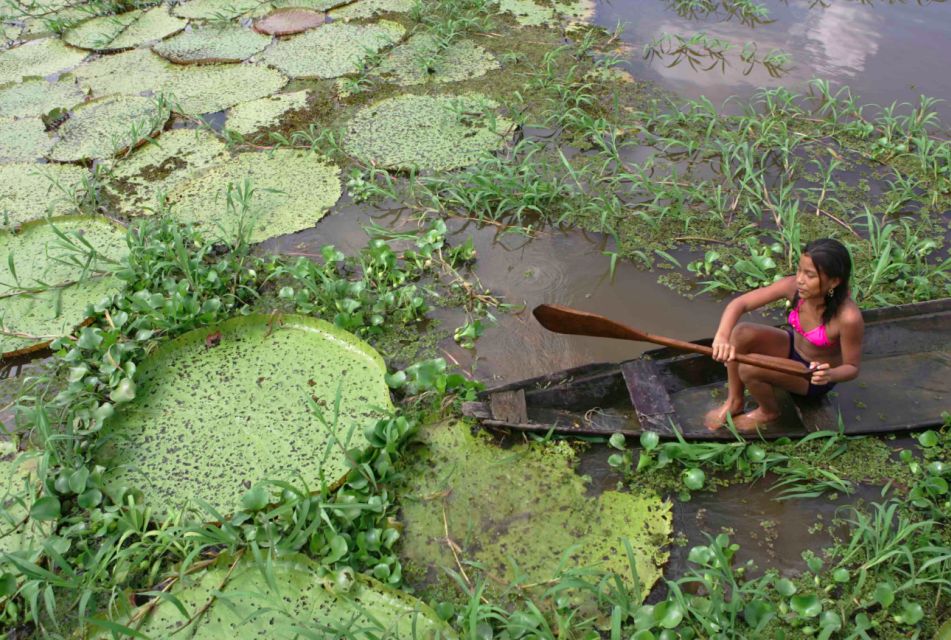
<point x="285" y="22"/>
<point x="221" y="408"/>
<point x="18" y="533"/>
<point x="370" y="8"/>
<point x="23" y="139"/>
<point x="37" y="97"/>
<point x="222" y="10"/>
<point x="213" y="44"/>
<point x="106" y="127"/>
<point x="38" y="58"/>
<point x="333" y="50"/>
<point x="544" y="12"/>
<point x="420" y="60"/>
<point x="32" y="191"/>
<point x="426" y="132"/>
<point x="159" y="166"/>
<point x="125" y="30"/>
<point x="248" y="117"/>
<point x="242" y="604"/>
<point x="524" y="504"/>
<point x="292" y="190"/>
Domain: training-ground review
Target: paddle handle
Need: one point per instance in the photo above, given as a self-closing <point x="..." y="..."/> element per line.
<point x="751" y="358"/>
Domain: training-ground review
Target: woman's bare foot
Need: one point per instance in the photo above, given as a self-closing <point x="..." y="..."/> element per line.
<point x="751" y="421"/>
<point x="716" y="418"/>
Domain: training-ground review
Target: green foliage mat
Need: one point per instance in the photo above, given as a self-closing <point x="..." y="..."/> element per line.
<point x="23" y="139"/>
<point x="420" y="60"/>
<point x="212" y="44"/>
<point x="426" y="132"/>
<point x="125" y="30"/>
<point x="524" y="505"/>
<point x="38" y="97"/>
<point x="248" y="117"/>
<point x="17" y="533"/>
<point x="104" y="128"/>
<point x="533" y="13"/>
<point x="160" y="166"/>
<point x="30" y="191"/>
<point x="244" y="604"/>
<point x="370" y="8"/>
<point x="292" y="190"/>
<point x="331" y="50"/>
<point x="221" y="408"/>
<point x="38" y="58"/>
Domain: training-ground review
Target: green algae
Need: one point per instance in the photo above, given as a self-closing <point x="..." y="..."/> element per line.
<point x="214" y="415"/>
<point x="420" y="60"/>
<point x="125" y="30"/>
<point x="31" y="191"/>
<point x="248" y="117"/>
<point x="105" y="127"/>
<point x="426" y="132"/>
<point x="521" y="505"/>
<point x="244" y="604"/>
<point x="530" y="13"/>
<point x="371" y="8"/>
<point x="292" y="191"/>
<point x="333" y="50"/>
<point x="161" y="165"/>
<point x="23" y="139"/>
<point x="212" y="44"/>
<point x="38" y="58"/>
<point x="38" y="97"/>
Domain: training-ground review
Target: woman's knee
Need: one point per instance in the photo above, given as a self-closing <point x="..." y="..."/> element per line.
<point x="744" y="335"/>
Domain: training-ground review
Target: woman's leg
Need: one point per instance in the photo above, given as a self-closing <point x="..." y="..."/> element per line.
<point x="746" y="338"/>
<point x="762" y="384"/>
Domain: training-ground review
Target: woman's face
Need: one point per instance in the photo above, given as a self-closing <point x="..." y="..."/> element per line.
<point x="808" y="281"/>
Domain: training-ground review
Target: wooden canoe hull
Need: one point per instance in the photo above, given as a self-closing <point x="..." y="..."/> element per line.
<point x="905" y="384"/>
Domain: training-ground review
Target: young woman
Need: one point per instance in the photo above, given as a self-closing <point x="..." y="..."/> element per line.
<point x="826" y="337"/>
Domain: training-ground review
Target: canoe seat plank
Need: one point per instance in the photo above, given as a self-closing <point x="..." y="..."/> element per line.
<point x="509" y="406"/>
<point x="649" y="396"/>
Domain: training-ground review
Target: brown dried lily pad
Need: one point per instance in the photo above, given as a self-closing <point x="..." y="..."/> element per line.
<point x="285" y="22"/>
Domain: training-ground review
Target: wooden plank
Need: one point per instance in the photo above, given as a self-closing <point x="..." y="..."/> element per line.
<point x="478" y="410"/>
<point x="509" y="406"/>
<point x="649" y="397"/>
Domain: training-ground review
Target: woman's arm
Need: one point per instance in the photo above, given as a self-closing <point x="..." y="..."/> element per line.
<point x="850" y="337"/>
<point x="722" y="349"/>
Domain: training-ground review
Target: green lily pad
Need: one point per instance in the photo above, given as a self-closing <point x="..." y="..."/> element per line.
<point x="244" y="605"/>
<point x="420" y="60"/>
<point x="106" y="127"/>
<point x="370" y="8"/>
<point x="292" y="191"/>
<point x="531" y="13"/>
<point x="29" y="191"/>
<point x="38" y="58"/>
<point x="23" y="139"/>
<point x="426" y="132"/>
<point x="38" y="97"/>
<point x="212" y="44"/>
<point x="332" y="50"/>
<point x="285" y="22"/>
<point x="524" y="504"/>
<point x="17" y="533"/>
<point x="216" y="9"/>
<point x="161" y="165"/>
<point x="125" y="30"/>
<point x="211" y="417"/>
<point x="248" y="117"/>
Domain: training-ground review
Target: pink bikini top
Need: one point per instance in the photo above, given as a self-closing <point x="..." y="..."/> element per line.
<point x="816" y="336"/>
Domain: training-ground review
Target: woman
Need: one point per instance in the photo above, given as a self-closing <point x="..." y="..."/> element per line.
<point x="826" y="337"/>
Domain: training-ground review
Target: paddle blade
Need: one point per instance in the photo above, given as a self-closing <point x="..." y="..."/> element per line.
<point x="581" y="323"/>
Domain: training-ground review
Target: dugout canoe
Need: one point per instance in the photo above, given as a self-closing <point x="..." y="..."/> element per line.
<point x="904" y="385"/>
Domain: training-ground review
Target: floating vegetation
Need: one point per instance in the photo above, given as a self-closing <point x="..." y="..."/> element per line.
<point x="264" y="389"/>
<point x="260" y="195"/>
<point x="285" y="22"/>
<point x="518" y="512"/>
<point x="19" y="534"/>
<point x="38" y="97"/>
<point x="38" y="58"/>
<point x="125" y="30"/>
<point x="532" y="13"/>
<point x="426" y="132"/>
<point x="161" y="165"/>
<point x="106" y="127"/>
<point x="371" y="8"/>
<point x="421" y="59"/>
<point x="248" y="117"/>
<point x="32" y="191"/>
<point x="333" y="50"/>
<point x="235" y="598"/>
<point x="225" y="10"/>
<point x="23" y="139"/>
<point x="213" y="44"/>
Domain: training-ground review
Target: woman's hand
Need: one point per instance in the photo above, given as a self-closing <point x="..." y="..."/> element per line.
<point x="820" y="373"/>
<point x="723" y="351"/>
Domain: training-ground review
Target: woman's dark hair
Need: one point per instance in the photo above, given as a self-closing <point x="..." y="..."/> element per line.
<point x="832" y="260"/>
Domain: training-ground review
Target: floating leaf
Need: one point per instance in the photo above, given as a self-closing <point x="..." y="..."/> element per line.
<point x="785" y="587"/>
<point x="248" y="117"/>
<point x="371" y="8"/>
<point x="649" y="440"/>
<point x="808" y="606"/>
<point x="285" y="22"/>
<point x="38" y="97"/>
<point x="421" y="59"/>
<point x="212" y="45"/>
<point x="928" y="439"/>
<point x="23" y="140"/>
<point x="694" y="479"/>
<point x="884" y="594"/>
<point x="106" y="127"/>
<point x="531" y="13"/>
<point x="37" y="58"/>
<point x="45" y="509"/>
<point x="124" y="30"/>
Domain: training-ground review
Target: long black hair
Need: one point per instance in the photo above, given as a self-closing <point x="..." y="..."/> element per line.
<point x="832" y="260"/>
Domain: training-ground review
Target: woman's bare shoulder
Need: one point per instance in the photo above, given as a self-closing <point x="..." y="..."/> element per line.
<point x="850" y="315"/>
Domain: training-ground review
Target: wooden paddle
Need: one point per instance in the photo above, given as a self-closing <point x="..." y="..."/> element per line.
<point x="561" y="319"/>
